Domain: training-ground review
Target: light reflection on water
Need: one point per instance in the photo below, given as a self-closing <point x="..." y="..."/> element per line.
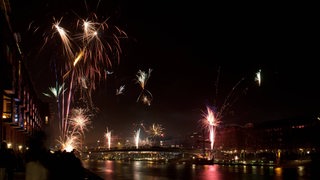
<point x="164" y="171"/>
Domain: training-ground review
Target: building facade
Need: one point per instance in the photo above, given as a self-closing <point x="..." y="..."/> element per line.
<point x="22" y="112"/>
<point x="293" y="138"/>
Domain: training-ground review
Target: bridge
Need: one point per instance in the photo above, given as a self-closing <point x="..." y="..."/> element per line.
<point x="149" y="154"/>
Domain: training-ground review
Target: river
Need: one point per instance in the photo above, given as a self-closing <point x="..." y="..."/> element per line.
<point x="145" y="170"/>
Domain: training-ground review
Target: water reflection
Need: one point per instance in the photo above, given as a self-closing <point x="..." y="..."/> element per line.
<point x="210" y="172"/>
<point x="108" y="167"/>
<point x="164" y="171"/>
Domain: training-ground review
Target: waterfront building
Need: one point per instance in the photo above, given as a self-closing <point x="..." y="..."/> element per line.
<point x="22" y="112"/>
<point x="292" y="138"/>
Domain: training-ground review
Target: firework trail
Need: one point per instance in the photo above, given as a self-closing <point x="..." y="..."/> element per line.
<point x="231" y="98"/>
<point x="140" y="125"/>
<point x="77" y="125"/>
<point x="94" y="52"/>
<point x="258" y="77"/>
<point x="56" y="93"/>
<point x="137" y="138"/>
<point x="210" y="123"/>
<point x="65" y="38"/>
<point x="142" y="78"/>
<point x="67" y="46"/>
<point x="108" y="137"/>
<point x="217" y="84"/>
<point x="240" y="88"/>
<point x="214" y="115"/>
<point x="88" y="48"/>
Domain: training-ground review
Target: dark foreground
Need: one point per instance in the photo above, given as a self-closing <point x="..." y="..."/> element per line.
<point x="89" y="175"/>
<point x="59" y="165"/>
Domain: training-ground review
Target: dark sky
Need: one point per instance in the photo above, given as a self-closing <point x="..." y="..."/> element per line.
<point x="186" y="43"/>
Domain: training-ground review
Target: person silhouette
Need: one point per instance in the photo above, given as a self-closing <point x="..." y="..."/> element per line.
<point x="37" y="158"/>
<point x="7" y="162"/>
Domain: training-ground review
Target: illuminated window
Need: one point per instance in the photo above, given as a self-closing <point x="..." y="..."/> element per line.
<point x="16" y="112"/>
<point x="7" y="110"/>
<point x="46" y="120"/>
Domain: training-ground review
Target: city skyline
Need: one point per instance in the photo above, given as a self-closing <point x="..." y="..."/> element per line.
<point x="188" y="47"/>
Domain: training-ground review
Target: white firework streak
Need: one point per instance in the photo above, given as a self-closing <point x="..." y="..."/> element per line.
<point x="120" y="90"/>
<point x="137" y="138"/>
<point x="258" y="77"/>
<point x="108" y="137"/>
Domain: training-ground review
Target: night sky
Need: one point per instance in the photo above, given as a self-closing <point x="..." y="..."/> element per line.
<point x="187" y="43"/>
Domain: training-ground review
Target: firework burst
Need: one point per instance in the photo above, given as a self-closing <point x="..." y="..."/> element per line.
<point x="65" y="39"/>
<point x="92" y="53"/>
<point x="74" y="130"/>
<point x="69" y="143"/>
<point x="210" y="123"/>
<point x="156" y="130"/>
<point x="145" y="96"/>
<point x="55" y="91"/>
<point x="84" y="50"/>
<point x="79" y="120"/>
